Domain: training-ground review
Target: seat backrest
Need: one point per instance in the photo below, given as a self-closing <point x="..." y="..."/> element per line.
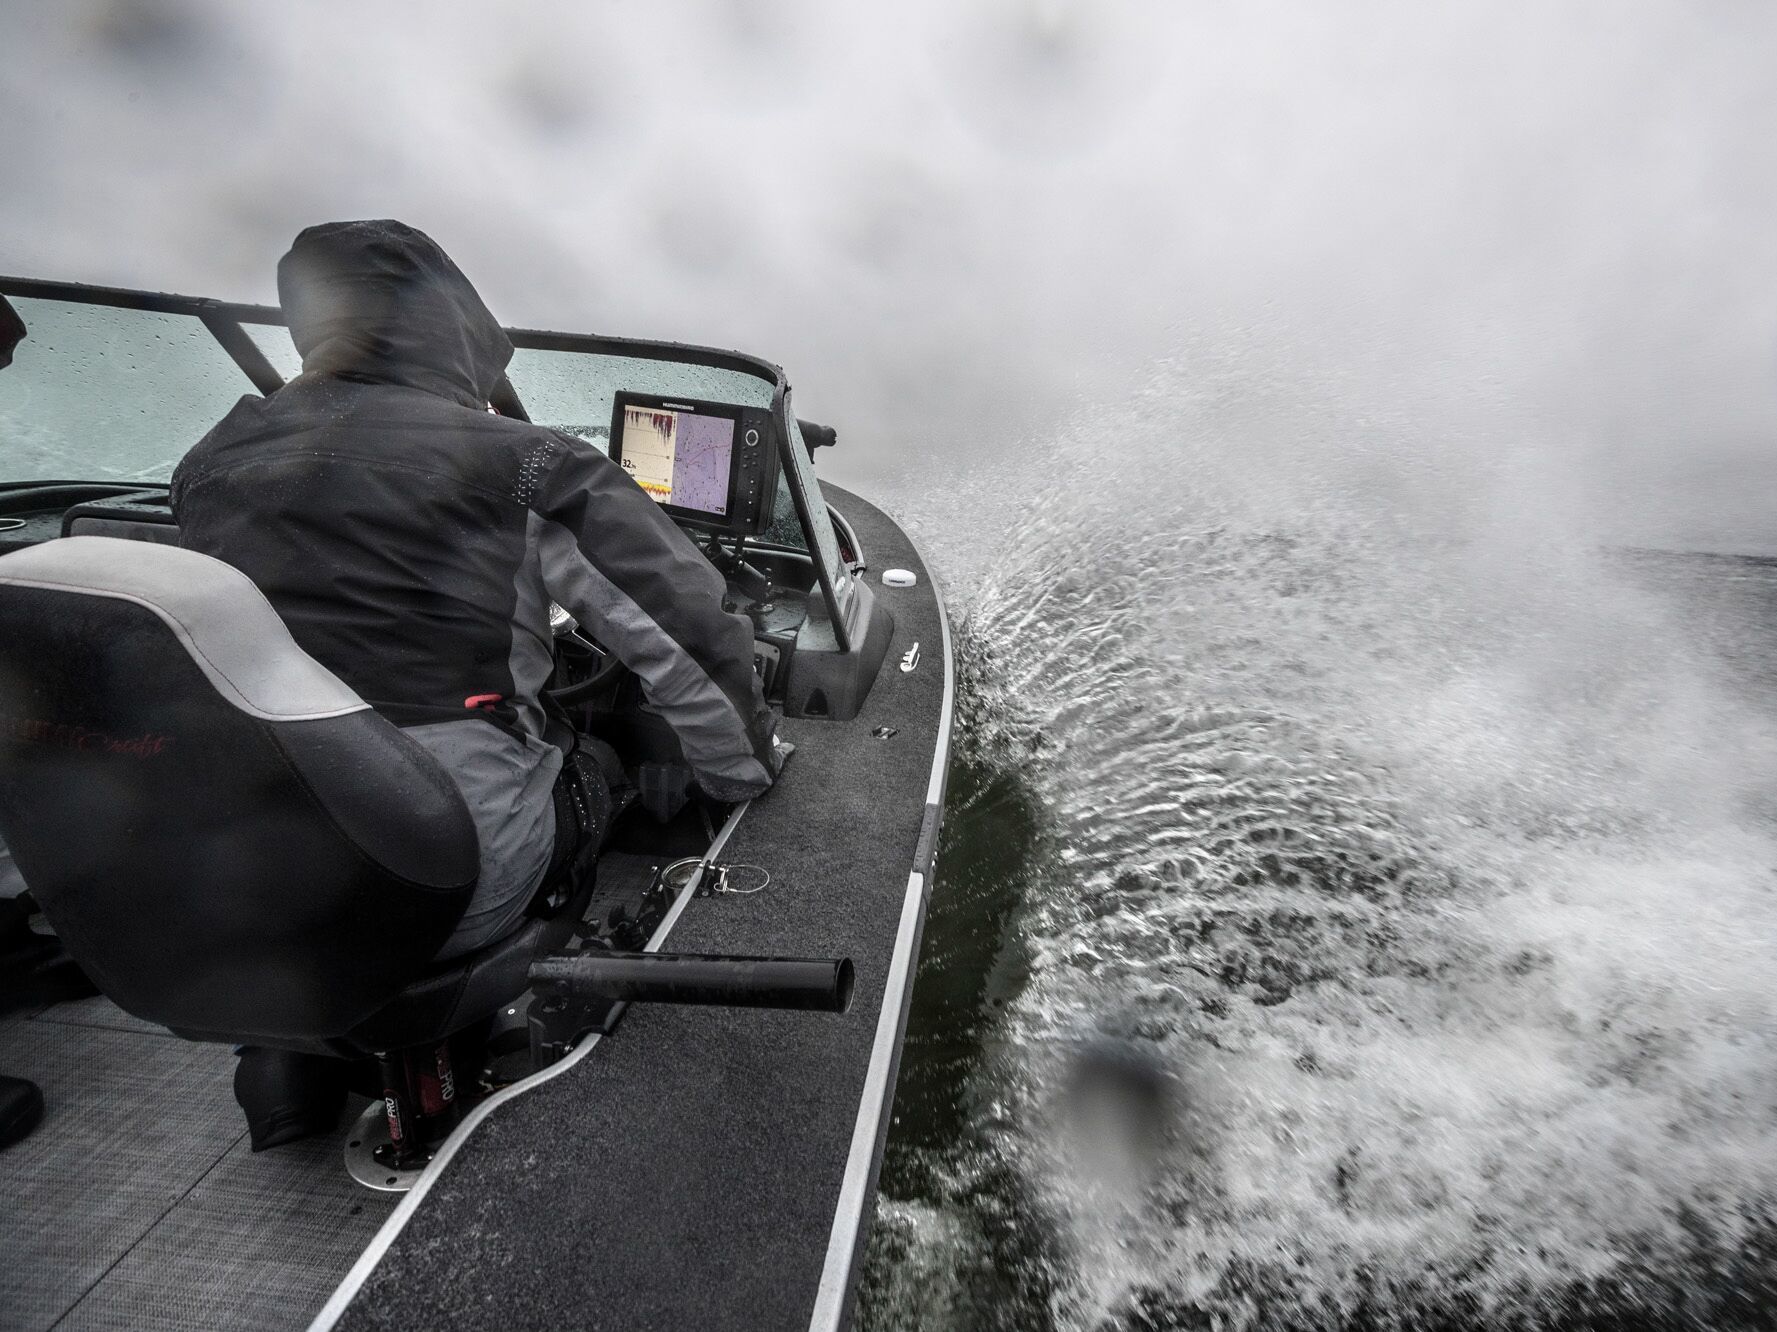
<point x="225" y="836"/>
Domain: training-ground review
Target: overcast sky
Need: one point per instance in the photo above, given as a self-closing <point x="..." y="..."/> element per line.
<point x="1538" y="228"/>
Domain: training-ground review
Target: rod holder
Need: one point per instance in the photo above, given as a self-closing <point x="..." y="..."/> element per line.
<point x="821" y="985"/>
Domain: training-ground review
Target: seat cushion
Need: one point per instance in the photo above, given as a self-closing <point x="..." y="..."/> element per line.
<point x="226" y="838"/>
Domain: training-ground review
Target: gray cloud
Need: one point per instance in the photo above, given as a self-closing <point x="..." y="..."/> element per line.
<point x="1543" y="230"/>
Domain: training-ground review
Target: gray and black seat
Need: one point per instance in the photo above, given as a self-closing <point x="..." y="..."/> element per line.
<point x="226" y="837"/>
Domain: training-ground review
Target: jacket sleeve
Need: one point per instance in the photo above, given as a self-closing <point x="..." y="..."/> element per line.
<point x="613" y="559"/>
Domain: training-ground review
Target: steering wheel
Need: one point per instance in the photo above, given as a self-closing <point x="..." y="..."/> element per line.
<point x="602" y="678"/>
<point x="593" y="685"/>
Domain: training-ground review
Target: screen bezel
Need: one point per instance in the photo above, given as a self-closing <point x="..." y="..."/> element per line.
<point x="700" y="407"/>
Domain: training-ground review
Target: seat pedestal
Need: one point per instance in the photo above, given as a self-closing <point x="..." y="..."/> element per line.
<point x="370" y="1134"/>
<point x="394" y="1140"/>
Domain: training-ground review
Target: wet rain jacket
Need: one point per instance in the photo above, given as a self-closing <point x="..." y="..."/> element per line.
<point x="413" y="541"/>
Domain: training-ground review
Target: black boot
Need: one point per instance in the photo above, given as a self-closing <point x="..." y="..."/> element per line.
<point x="21" y="1107"/>
<point x="288" y="1095"/>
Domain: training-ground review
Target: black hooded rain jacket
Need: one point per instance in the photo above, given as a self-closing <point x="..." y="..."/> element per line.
<point x="413" y="541"/>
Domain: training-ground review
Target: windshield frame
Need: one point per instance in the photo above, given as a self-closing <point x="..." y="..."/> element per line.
<point x="225" y="320"/>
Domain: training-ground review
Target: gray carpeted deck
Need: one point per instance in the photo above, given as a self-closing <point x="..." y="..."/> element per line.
<point x="257" y="1243"/>
<point x="137" y="1204"/>
<point x="686" y="1174"/>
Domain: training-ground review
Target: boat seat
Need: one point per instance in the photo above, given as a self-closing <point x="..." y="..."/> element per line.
<point x="225" y="836"/>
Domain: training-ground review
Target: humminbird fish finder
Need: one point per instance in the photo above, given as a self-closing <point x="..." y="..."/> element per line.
<point x="709" y="464"/>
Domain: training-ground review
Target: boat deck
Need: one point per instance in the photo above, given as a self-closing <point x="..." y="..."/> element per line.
<point x="713" y="1168"/>
<point x="138" y="1204"/>
<point x="699" y="1167"/>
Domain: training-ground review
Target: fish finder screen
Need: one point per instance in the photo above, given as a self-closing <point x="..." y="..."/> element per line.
<point x="681" y="458"/>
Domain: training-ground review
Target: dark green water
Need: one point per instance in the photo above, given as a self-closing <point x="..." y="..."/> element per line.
<point x="1309" y="1025"/>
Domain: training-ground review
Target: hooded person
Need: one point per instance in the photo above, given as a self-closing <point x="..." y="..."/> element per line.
<point x="12" y="332"/>
<point x="413" y="541"/>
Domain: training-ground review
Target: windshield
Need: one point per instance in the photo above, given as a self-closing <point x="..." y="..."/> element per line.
<point x="799" y="476"/>
<point x="274" y="341"/>
<point x="99" y="393"/>
<point x="573" y="391"/>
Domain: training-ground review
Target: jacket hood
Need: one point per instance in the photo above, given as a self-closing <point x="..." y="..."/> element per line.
<point x="12" y="331"/>
<point x="381" y="302"/>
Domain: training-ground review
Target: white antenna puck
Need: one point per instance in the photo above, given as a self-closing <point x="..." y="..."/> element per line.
<point x="899" y="578"/>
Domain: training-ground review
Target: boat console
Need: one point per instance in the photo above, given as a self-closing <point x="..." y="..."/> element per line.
<point x="774" y="586"/>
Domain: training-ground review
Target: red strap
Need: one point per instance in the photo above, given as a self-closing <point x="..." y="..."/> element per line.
<point x="483" y="700"/>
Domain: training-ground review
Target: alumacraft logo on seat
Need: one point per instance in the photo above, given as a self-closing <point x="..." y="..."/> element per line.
<point x="61" y="735"/>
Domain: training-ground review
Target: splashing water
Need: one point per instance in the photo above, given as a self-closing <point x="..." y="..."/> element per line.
<point x="1389" y="936"/>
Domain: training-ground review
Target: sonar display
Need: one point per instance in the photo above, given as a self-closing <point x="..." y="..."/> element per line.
<point x="679" y="457"/>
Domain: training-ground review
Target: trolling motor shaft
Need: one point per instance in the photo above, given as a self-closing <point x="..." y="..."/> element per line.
<point x="821" y="985"/>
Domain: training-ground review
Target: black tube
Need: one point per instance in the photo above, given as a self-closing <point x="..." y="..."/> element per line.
<point x="817" y="984"/>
